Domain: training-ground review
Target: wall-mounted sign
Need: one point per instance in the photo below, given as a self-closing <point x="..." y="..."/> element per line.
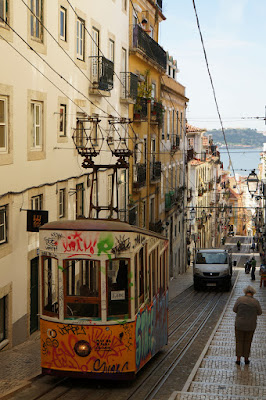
<point x="35" y="219"/>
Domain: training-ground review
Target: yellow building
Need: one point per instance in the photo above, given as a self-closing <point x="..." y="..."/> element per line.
<point x="147" y="64"/>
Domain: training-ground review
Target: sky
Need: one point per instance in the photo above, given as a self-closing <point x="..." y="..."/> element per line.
<point x="234" y="34"/>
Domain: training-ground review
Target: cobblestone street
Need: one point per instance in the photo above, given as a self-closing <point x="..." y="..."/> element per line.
<point x="216" y="376"/>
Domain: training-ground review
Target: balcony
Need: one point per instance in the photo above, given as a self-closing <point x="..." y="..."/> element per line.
<point x="132" y="216"/>
<point x="157" y="111"/>
<point x="155" y="171"/>
<point x="140" y="109"/>
<point x="170" y="200"/>
<point x="156" y="226"/>
<point x="129" y="86"/>
<point x="102" y="73"/>
<point x="139" y="176"/>
<point x="142" y="41"/>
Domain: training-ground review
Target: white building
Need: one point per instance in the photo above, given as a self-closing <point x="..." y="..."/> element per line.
<point x="58" y="70"/>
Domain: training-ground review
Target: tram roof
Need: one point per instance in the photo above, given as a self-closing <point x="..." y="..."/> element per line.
<point x="86" y="224"/>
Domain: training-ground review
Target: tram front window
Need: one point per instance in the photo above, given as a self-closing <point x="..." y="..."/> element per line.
<point x="118" y="296"/>
<point x="82" y="298"/>
<point x="50" y="286"/>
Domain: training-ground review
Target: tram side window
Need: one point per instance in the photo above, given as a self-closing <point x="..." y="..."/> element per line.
<point x="141" y="276"/>
<point x="50" y="286"/>
<point x="118" y="288"/>
<point x="136" y="282"/>
<point x="82" y="288"/>
<point x="154" y="270"/>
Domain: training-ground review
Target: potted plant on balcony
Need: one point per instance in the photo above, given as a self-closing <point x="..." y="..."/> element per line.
<point x="159" y="112"/>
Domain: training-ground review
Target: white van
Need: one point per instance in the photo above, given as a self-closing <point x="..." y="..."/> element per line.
<point x="212" y="267"/>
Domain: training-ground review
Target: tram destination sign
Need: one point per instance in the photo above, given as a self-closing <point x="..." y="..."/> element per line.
<point x="35" y="219"/>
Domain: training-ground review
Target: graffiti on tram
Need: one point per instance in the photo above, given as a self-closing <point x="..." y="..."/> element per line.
<point x="151" y="329"/>
<point x="110" y="348"/>
<point x="89" y="244"/>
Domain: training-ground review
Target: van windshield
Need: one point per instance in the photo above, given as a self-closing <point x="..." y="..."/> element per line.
<point x="211" y="258"/>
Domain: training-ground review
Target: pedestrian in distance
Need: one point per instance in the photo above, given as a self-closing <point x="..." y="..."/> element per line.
<point x="253" y="268"/>
<point x="247" y="309"/>
<point x="238" y="245"/>
<point x="253" y="246"/>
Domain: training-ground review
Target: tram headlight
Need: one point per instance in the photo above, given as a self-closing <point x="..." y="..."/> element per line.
<point x="82" y="348"/>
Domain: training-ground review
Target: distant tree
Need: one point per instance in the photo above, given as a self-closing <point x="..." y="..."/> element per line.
<point x="244" y="137"/>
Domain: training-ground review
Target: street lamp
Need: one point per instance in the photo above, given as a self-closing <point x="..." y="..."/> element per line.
<point x="252" y="182"/>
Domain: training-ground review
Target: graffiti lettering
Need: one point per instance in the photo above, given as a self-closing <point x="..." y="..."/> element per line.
<point x="76" y="329"/>
<point x="105" y="244"/>
<point x="75" y="243"/>
<point x="49" y="343"/>
<point x="139" y="239"/>
<point x="151" y="330"/>
<point x="122" y="245"/>
<point x="99" y="366"/>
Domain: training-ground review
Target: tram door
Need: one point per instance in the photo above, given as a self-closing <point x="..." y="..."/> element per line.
<point x="34" y="294"/>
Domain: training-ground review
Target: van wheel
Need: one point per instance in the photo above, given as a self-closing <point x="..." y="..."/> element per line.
<point x="227" y="286"/>
<point x="196" y="286"/>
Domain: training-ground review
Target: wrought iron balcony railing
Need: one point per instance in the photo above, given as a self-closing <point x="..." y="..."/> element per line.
<point x="132" y="215"/>
<point x="140" y="108"/>
<point x="139" y="176"/>
<point x="155" y="171"/>
<point x="102" y="73"/>
<point x="141" y="40"/>
<point x="156" y="226"/>
<point x="129" y="85"/>
<point x="159" y="3"/>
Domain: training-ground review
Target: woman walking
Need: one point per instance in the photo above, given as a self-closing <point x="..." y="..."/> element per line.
<point x="246" y="308"/>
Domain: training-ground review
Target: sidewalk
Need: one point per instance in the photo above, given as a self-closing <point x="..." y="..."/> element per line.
<point x="20" y="364"/>
<point x="215" y="375"/>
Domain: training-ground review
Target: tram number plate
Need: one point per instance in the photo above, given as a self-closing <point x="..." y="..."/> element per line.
<point x="118" y="295"/>
<point x="210" y="284"/>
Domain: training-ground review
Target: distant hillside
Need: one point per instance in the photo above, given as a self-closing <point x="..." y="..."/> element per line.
<point x="238" y="137"/>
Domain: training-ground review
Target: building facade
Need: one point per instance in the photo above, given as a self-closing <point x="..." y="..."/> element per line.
<point x="70" y="87"/>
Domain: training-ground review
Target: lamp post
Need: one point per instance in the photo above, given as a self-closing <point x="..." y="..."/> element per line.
<point x="252" y="182"/>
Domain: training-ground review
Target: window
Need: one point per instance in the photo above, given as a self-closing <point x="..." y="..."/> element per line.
<point x="118" y="288"/>
<point x="124" y="2"/>
<point x="62" y="201"/>
<point x="144" y="214"/>
<point x="80" y="38"/>
<point x="109" y="188"/>
<point x="111" y="50"/>
<point x="168" y="125"/>
<point x="3" y="327"/>
<point x="82" y="288"/>
<point x="3" y="11"/>
<point x="36" y="17"/>
<point x="163" y="123"/>
<point x="151" y="32"/>
<point x="95" y="53"/>
<point x="3" y="124"/>
<point x="3" y="224"/>
<point x="63" y="19"/>
<point x="36" y="134"/>
<point x="50" y="286"/>
<point x="177" y="122"/>
<point x="62" y="121"/>
<point x="37" y="202"/>
<point x="124" y="60"/>
<point x="79" y="200"/>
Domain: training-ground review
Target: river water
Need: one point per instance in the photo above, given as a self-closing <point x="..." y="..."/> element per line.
<point x="243" y="159"/>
